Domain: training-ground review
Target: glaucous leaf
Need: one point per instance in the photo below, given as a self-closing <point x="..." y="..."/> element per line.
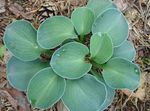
<point x="82" y="19"/>
<point x="109" y="95"/>
<point x="101" y="48"/>
<point x="19" y="72"/>
<point x="54" y="31"/>
<point x="20" y="39"/>
<point x="45" y="89"/>
<point x="114" y="24"/>
<point x="120" y="73"/>
<point x="125" y="50"/>
<point x="69" y="60"/>
<point x="99" y="6"/>
<point x="84" y="94"/>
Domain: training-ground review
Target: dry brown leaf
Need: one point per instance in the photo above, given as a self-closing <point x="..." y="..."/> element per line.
<point x="148" y="78"/>
<point x="112" y="108"/>
<point x="21" y="99"/>
<point x="120" y="4"/>
<point x="9" y="97"/>
<point x="61" y="107"/>
<point x="17" y="10"/>
<point x="17" y="99"/>
<point x="78" y="2"/>
<point x="141" y="92"/>
<point x="3" y="83"/>
<point x="2" y="6"/>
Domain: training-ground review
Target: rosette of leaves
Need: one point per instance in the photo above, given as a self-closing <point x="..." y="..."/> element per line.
<point x="82" y="74"/>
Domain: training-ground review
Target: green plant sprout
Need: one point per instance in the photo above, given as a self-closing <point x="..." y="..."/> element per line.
<point x="2" y="51"/>
<point x="89" y="58"/>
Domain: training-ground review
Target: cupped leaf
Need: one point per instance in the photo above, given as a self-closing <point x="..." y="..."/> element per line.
<point x="82" y="19"/>
<point x="20" y="39"/>
<point x="120" y="73"/>
<point x="45" y="89"/>
<point x="69" y="60"/>
<point x="84" y="94"/>
<point x="19" y="73"/>
<point x="101" y="48"/>
<point x="99" y="6"/>
<point x="125" y="50"/>
<point x="109" y="95"/>
<point x="54" y="31"/>
<point x="114" y="24"/>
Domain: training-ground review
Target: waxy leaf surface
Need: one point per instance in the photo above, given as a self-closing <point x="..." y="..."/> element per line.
<point x="99" y="6"/>
<point x="125" y="50"/>
<point x="54" y="31"/>
<point x="120" y="73"/>
<point x="82" y="19"/>
<point x="45" y="89"/>
<point x="69" y="60"/>
<point x="84" y="94"/>
<point x="20" y="39"/>
<point x="114" y="24"/>
<point x="101" y="48"/>
<point x="19" y="73"/>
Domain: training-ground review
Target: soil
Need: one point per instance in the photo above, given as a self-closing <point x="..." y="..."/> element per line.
<point x="137" y="13"/>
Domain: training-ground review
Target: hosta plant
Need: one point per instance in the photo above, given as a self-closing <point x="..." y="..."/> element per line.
<point x="80" y="60"/>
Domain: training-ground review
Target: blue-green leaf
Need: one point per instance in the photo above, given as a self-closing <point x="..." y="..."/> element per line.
<point x="84" y="94"/>
<point x="125" y="50"/>
<point x="120" y="73"/>
<point x="45" y="89"/>
<point x="69" y="61"/>
<point x="54" y="31"/>
<point x="109" y="95"/>
<point x="20" y="39"/>
<point x="101" y="48"/>
<point x="114" y="24"/>
<point x="99" y="6"/>
<point x="82" y="19"/>
<point x="19" y="73"/>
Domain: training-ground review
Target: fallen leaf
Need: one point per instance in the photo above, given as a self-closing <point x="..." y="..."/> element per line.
<point x="120" y="4"/>
<point x="17" y="10"/>
<point x="16" y="98"/>
<point x="78" y="2"/>
<point x="21" y="99"/>
<point x="2" y="6"/>
<point x="141" y="92"/>
<point x="9" y="97"/>
<point x="61" y="106"/>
